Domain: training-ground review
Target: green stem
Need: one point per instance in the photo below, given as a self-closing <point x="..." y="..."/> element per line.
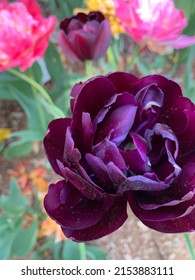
<point x="41" y="113"/>
<point x="89" y="68"/>
<point x="189" y="245"/>
<point x="56" y="111"/>
<point x="82" y="250"/>
<point x="112" y="58"/>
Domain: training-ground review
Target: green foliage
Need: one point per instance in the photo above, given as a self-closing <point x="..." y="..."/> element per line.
<point x="62" y="8"/>
<point x="95" y="253"/>
<point x="187" y="6"/>
<point x="70" y="251"/>
<point x="61" y="81"/>
<point x="18" y="239"/>
<point x="13" y="203"/>
<point x="15" y="241"/>
<point x="24" y="240"/>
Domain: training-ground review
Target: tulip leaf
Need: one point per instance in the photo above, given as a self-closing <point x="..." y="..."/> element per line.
<point x="3" y="223"/>
<point x="13" y="203"/>
<point x="57" y="250"/>
<point x="95" y="253"/>
<point x="70" y="250"/>
<point x="24" y="240"/>
<point x="6" y="241"/>
<point x="36" y="72"/>
<point x="187" y="6"/>
<point x="18" y="149"/>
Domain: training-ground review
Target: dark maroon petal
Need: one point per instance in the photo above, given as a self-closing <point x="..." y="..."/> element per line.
<point x="102" y="41"/>
<point x="185" y="223"/>
<point x="74" y="94"/>
<point x="93" y="95"/>
<point x="108" y="152"/>
<point x="134" y="183"/>
<point x="96" y="16"/>
<point x="177" y="192"/>
<point x="103" y="112"/>
<point x="81" y="17"/>
<point x="113" y="218"/>
<point x="67" y="47"/>
<point x="74" y="24"/>
<point x="136" y="156"/>
<point x="123" y="81"/>
<point x="82" y="42"/>
<point x="117" y="124"/>
<point x="166" y="85"/>
<point x="172" y="203"/>
<point x="99" y="169"/>
<point x="187" y="138"/>
<point x="64" y="24"/>
<point x="150" y="96"/>
<point x="54" y="142"/>
<point x="69" y="208"/>
<point x="176" y="116"/>
<point x="87" y="131"/>
<point x="86" y="187"/>
<point x="171" y="211"/>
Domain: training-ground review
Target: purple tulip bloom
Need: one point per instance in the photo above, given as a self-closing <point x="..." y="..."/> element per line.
<point x="129" y="141"/>
<point x="84" y="37"/>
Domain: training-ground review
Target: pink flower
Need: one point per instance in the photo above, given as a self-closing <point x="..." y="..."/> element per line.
<point x="154" y="21"/>
<point x="24" y="33"/>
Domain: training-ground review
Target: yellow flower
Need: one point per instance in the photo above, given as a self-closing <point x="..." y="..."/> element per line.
<point x="106" y="7"/>
<point x="4" y="133"/>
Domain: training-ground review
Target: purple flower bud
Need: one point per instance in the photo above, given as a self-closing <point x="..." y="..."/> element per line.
<point x="84" y="37"/>
<point x="129" y="141"/>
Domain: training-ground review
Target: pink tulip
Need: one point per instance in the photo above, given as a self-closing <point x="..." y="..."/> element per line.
<point x="24" y="33"/>
<point x="154" y="21"/>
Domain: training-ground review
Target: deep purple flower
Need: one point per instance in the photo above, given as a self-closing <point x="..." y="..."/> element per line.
<point x="83" y="36"/>
<point x="129" y="141"/>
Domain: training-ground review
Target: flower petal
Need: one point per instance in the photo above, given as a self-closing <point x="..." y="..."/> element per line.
<point x="69" y="208"/>
<point x="54" y="142"/>
<point x="113" y="218"/>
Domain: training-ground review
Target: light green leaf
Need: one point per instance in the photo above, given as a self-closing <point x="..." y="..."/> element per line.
<point x="24" y="240"/>
<point x="6" y="240"/>
<point x="13" y="203"/>
<point x="70" y="250"/>
<point x="95" y="253"/>
<point x="18" y="149"/>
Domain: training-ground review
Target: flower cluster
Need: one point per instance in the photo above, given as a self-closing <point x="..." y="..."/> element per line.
<point x="129" y="141"/>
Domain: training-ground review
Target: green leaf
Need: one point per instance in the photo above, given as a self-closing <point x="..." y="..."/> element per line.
<point x="187" y="6"/>
<point x="24" y="240"/>
<point x="95" y="253"/>
<point x="3" y="223"/>
<point x="2" y="145"/>
<point x="70" y="250"/>
<point x="27" y="135"/>
<point x="36" y="72"/>
<point x="6" y="240"/>
<point x="53" y="63"/>
<point x="57" y="250"/>
<point x="48" y="245"/>
<point x="13" y="203"/>
<point x="18" y="149"/>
